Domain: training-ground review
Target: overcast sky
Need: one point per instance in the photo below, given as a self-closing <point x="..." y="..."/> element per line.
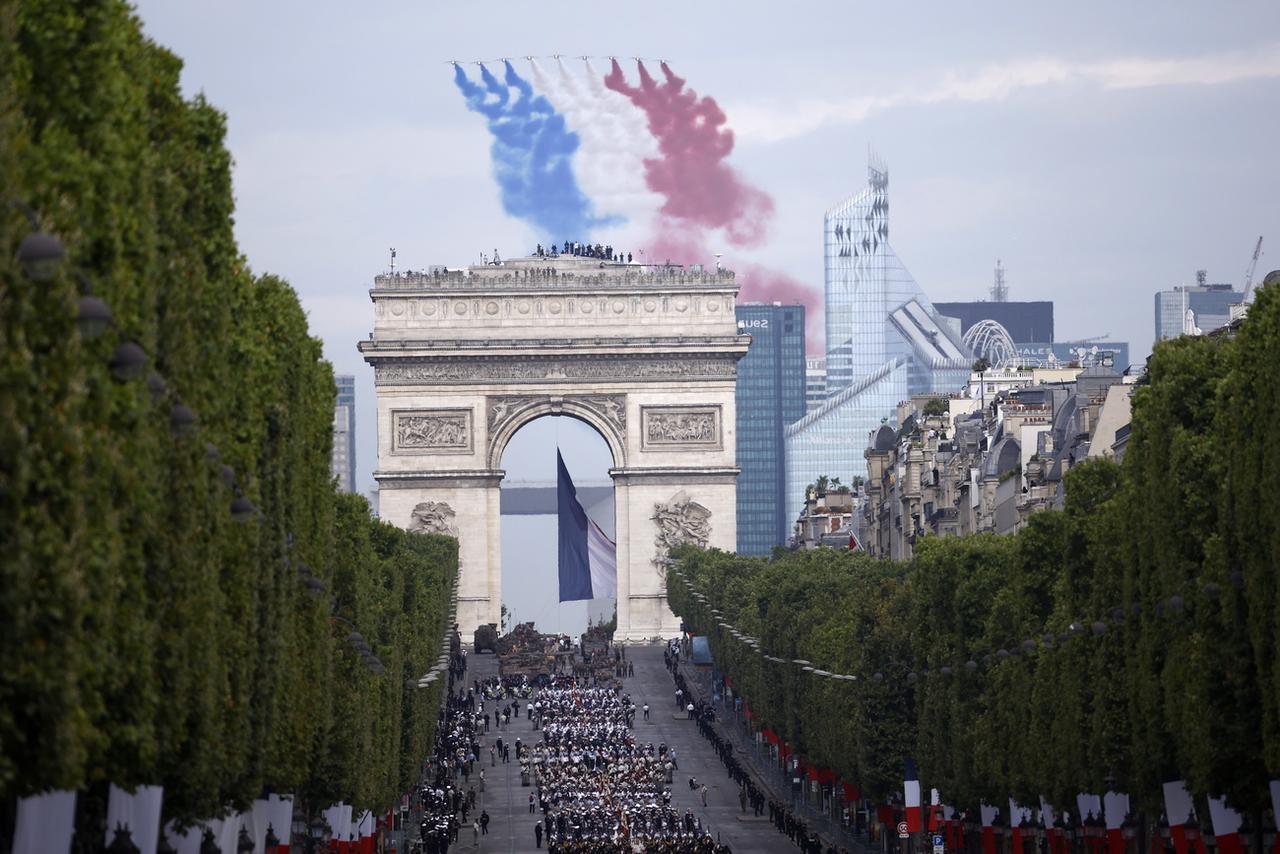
<point x="1104" y="151"/>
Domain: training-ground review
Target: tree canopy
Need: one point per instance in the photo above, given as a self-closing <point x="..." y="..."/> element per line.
<point x="150" y="638"/>
<point x="1130" y="636"/>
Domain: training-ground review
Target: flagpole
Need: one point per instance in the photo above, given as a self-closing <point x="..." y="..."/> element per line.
<point x="555" y="421"/>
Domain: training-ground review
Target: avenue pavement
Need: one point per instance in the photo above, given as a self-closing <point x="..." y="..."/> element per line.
<point x="507" y="801"/>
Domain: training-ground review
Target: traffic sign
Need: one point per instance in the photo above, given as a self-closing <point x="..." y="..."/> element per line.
<point x="902" y="830"/>
<point x="937" y="840"/>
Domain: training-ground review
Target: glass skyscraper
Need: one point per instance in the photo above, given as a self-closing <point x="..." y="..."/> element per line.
<point x="1204" y="306"/>
<point x="343" y="464"/>
<point x="770" y="395"/>
<point x="885" y="343"/>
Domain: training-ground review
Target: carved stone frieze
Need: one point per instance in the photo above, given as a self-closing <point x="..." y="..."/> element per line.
<point x="680" y="520"/>
<point x="677" y="428"/>
<point x="433" y="517"/>
<point x="460" y="371"/>
<point x="503" y="409"/>
<point x="431" y="431"/>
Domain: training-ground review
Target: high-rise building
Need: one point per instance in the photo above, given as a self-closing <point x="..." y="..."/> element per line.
<point x="1195" y="309"/>
<point x="885" y="342"/>
<point x="1026" y="322"/>
<point x="770" y="395"/>
<point x="343" y="464"/>
<point x="815" y="383"/>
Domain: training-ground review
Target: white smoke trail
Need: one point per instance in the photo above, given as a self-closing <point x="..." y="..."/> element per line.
<point x="614" y="142"/>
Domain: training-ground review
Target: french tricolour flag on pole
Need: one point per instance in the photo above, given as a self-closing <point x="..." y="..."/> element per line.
<point x="588" y="559"/>
<point x="911" y="797"/>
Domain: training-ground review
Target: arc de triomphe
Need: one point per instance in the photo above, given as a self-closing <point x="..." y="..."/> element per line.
<point x="646" y="355"/>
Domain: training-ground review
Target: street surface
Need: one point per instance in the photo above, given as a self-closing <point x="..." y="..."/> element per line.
<point x="507" y="801"/>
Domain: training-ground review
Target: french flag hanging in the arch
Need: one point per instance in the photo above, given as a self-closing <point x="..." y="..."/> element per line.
<point x="588" y="559"/>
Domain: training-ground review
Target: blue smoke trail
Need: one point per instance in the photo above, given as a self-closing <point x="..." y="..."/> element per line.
<point x="532" y="154"/>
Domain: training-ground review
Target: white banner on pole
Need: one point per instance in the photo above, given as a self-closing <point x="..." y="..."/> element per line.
<point x="45" y="823"/>
<point x="139" y="813"/>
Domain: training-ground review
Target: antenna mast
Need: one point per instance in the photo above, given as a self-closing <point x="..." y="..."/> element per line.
<point x="999" y="290"/>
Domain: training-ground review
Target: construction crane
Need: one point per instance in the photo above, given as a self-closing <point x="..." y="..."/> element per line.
<point x="1253" y="266"/>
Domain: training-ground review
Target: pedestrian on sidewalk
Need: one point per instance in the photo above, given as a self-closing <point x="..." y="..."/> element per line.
<point x="475" y="832"/>
<point x="742" y="799"/>
<point x="531" y="802"/>
<point x="646" y="711"/>
<point x="703" y="792"/>
<point x="679" y="699"/>
<point x="537" y="834"/>
<point x="493" y="756"/>
<point x="484" y="823"/>
<point x="482" y="780"/>
<point x="689" y="709"/>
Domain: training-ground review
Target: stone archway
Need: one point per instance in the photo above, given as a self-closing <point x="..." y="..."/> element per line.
<point x="646" y="356"/>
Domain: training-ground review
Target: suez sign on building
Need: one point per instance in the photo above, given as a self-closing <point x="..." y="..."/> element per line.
<point x="757" y="323"/>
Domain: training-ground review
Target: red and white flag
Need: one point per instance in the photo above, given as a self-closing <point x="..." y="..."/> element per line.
<point x="988" y="814"/>
<point x="1178" y="808"/>
<point x="1115" y="808"/>
<point x="366" y="833"/>
<point x="1226" y="827"/>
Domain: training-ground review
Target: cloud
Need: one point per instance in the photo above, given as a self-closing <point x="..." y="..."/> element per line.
<point x="776" y="121"/>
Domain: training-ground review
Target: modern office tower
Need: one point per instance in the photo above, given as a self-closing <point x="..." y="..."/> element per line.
<point x="1026" y="322"/>
<point x="1195" y="309"/>
<point x="885" y="342"/>
<point x="770" y="395"/>
<point x="815" y="383"/>
<point x="344" y="433"/>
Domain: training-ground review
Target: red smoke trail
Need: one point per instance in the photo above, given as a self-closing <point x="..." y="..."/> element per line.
<point x="698" y="185"/>
<point x="703" y="192"/>
<point x="758" y="284"/>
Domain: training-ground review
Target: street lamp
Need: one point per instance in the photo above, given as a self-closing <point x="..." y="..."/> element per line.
<point x="92" y="316"/>
<point x="40" y="255"/>
<point x="1129" y="830"/>
<point x="1191" y="830"/>
<point x="242" y="510"/>
<point x="182" y="421"/>
<point x="128" y="361"/>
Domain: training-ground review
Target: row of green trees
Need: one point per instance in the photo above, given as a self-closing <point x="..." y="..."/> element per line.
<point x="147" y="636"/>
<point x="1125" y="640"/>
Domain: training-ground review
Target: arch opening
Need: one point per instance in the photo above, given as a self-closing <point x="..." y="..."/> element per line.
<point x="529" y="572"/>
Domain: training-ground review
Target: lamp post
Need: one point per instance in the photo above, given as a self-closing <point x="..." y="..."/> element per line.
<point x="127" y="362"/>
<point x="1129" y="831"/>
<point x="40" y="255"/>
<point x="1095" y="834"/>
<point x="242" y="510"/>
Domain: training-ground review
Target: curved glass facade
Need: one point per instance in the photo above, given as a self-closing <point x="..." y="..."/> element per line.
<point x="885" y="342"/>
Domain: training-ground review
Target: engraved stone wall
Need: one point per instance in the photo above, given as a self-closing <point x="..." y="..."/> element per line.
<point x="678" y="428"/>
<point x="431" y="431"/>
<point x="455" y="371"/>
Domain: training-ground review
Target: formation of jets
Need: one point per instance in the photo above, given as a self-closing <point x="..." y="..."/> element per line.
<point x="556" y="56"/>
